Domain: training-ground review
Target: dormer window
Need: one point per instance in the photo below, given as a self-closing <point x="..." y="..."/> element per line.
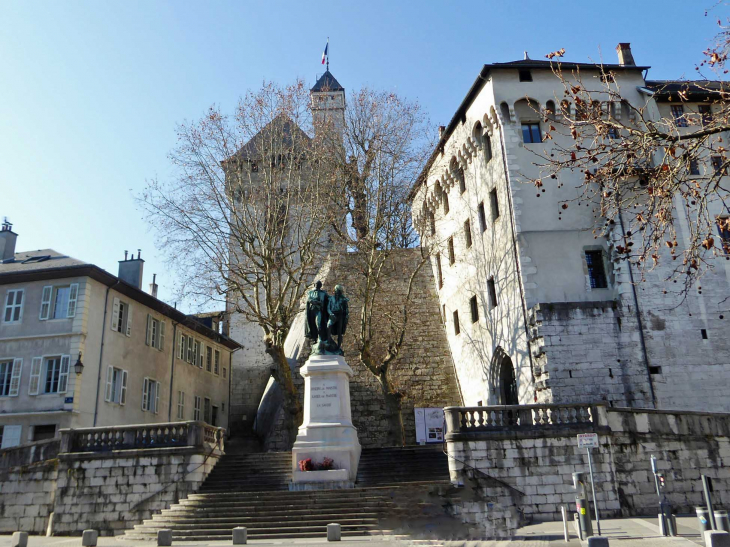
<point x="525" y="75"/>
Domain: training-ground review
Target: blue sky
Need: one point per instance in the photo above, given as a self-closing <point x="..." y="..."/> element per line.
<point x="90" y="91"/>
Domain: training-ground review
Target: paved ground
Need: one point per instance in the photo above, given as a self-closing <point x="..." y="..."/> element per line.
<point x="636" y="532"/>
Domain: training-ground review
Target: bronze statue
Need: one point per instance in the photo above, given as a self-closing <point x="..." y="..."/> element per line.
<point x="326" y="316"/>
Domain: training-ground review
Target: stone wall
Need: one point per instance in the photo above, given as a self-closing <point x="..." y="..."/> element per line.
<point x="424" y="374"/>
<point x="52" y="486"/>
<point x="538" y="459"/>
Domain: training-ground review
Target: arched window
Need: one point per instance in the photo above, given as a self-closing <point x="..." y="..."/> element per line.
<point x="476" y="133"/>
<point x="507" y="383"/>
<point x="504" y="110"/>
<point x="550" y="109"/>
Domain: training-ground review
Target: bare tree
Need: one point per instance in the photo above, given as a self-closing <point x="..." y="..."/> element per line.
<point x="245" y="218"/>
<point x="645" y="170"/>
<point x="386" y="140"/>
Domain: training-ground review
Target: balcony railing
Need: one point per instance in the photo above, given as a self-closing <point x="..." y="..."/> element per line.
<point x="477" y="419"/>
<point x="141" y="436"/>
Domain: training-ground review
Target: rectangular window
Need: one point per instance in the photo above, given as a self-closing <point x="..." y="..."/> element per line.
<point x="44" y="432"/>
<point x="439" y="273"/>
<point x="10" y="371"/>
<point x="206" y="410"/>
<point x="446" y="204"/>
<point x="209" y="359"/>
<point x="482" y="218"/>
<point x="474" y="307"/>
<point x="494" y="204"/>
<point x="718" y="165"/>
<point x="452" y="256"/>
<point x="596" y="271"/>
<point x="678" y="115"/>
<point x="13" y="306"/>
<point x="492" y="290"/>
<point x="199" y="353"/>
<point x="467" y="233"/>
<point x="723" y="228"/>
<point x="122" y="317"/>
<point x="56" y="377"/>
<point x="462" y="181"/>
<point x="706" y="113"/>
<point x="180" y="405"/>
<point x="182" y="347"/>
<point x="151" y="395"/>
<point x="217" y="362"/>
<point x="443" y="313"/>
<point x="153" y="332"/>
<point x="531" y="132"/>
<point x="525" y="76"/>
<point x="59" y="302"/>
<point x="432" y="221"/>
<point x="457" y="330"/>
<point x="116" y="385"/>
<point x="196" y="408"/>
<point x="694" y="167"/>
<point x="191" y="343"/>
<point x="224" y="372"/>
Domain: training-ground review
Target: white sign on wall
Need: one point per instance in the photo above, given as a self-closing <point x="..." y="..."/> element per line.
<point x="11" y="436"/>
<point x="588" y="440"/>
<point x="430" y="425"/>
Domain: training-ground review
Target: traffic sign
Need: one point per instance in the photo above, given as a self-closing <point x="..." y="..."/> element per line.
<point x="588" y="440"/>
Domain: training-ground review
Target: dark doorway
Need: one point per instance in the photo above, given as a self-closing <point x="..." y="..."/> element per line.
<point x="214" y="419"/>
<point x="507" y="383"/>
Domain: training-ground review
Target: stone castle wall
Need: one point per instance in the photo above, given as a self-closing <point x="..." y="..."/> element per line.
<point x="424" y="373"/>
<point x="539" y="461"/>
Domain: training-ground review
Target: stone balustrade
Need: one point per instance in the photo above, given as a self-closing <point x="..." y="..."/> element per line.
<point x="519" y="418"/>
<point x="141" y="436"/>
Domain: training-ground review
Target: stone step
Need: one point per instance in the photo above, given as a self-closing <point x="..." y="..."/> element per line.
<point x="275" y="516"/>
<point x="255" y="525"/>
<point x="302" y="494"/>
<point x="270" y="504"/>
<point x="314" y="534"/>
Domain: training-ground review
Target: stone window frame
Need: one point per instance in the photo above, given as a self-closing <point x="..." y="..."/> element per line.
<point x="607" y="268"/>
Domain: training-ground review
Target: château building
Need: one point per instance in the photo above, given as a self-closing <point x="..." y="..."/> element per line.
<point x="537" y="307"/>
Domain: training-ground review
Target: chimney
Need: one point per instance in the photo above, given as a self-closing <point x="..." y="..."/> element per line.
<point x="154" y="286"/>
<point x="7" y="241"/>
<point x="442" y="128"/>
<point x="130" y="270"/>
<point x="625" y="58"/>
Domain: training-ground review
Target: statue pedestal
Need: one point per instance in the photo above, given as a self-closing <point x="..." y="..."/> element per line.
<point x="327" y="430"/>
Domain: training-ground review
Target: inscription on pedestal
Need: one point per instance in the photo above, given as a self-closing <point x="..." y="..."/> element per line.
<point x="325" y="396"/>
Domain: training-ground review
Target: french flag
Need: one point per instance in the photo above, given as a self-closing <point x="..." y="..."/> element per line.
<point x="324" y="53"/>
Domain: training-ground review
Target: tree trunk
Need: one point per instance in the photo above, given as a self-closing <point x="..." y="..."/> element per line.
<point x="396" y="431"/>
<point x="294" y="413"/>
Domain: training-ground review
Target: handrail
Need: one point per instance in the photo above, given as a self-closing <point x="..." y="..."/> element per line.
<point x="518" y="417"/>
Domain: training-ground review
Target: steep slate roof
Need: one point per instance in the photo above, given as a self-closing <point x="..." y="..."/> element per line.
<point x="60" y="266"/>
<point x="327" y="82"/>
<point x="481" y="80"/>
<point x="286" y="127"/>
<point x="695" y="90"/>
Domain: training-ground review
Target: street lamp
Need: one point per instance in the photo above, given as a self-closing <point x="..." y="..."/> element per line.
<point x="79" y="366"/>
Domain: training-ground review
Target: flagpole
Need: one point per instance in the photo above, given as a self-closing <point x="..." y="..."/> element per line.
<point x="328" y="53"/>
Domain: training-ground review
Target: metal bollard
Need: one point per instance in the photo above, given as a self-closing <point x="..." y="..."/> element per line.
<point x="581" y="506"/>
<point x="703" y="519"/>
<point x="89" y="538"/>
<point x="19" y="539"/>
<point x="334" y="532"/>
<point x="721" y="521"/>
<point x="240" y="536"/>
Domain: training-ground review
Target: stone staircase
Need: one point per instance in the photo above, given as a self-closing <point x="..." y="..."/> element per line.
<point x="251" y="490"/>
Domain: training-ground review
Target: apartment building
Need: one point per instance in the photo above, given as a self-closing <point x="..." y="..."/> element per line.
<point x="80" y="347"/>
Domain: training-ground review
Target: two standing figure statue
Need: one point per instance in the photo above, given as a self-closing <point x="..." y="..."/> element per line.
<point x="327" y="317"/>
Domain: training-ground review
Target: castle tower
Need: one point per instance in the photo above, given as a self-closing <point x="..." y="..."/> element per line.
<point x="328" y="102"/>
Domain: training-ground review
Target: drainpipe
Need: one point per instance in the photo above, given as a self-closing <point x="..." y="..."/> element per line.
<point x="516" y="254"/>
<point x="101" y="350"/>
<point x="172" y="368"/>
<point x="638" y="315"/>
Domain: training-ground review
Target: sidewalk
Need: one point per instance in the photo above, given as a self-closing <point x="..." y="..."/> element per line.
<point x="630" y="532"/>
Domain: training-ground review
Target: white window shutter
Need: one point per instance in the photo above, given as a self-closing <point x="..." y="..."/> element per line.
<point x="200" y="355"/>
<point x="46" y="302"/>
<point x="15" y="378"/>
<point x="9" y="300"/>
<point x="129" y="320"/>
<point x="148" y="336"/>
<point x="161" y="337"/>
<point x="72" y="298"/>
<point x="123" y="395"/>
<point x="35" y="376"/>
<point x="181" y="349"/>
<point x="157" y="397"/>
<point x="115" y="315"/>
<point x="145" y="387"/>
<point x="63" y="377"/>
<point x="109" y="383"/>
